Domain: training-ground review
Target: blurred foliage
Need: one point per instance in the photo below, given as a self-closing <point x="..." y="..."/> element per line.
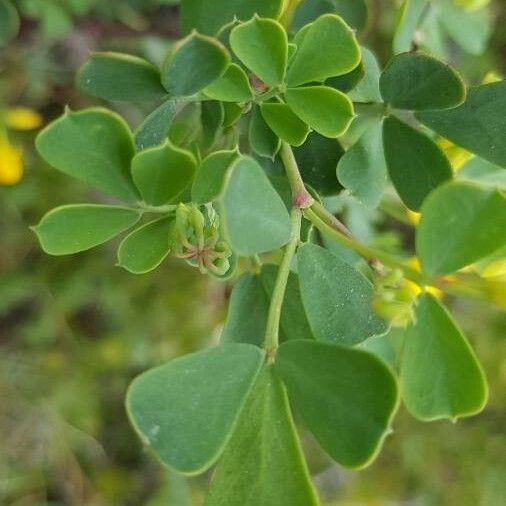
<point x="73" y="332"/>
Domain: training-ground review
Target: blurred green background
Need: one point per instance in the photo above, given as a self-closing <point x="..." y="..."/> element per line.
<point x="75" y="330"/>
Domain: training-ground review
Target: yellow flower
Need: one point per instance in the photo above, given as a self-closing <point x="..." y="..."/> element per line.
<point x="413" y="287"/>
<point x="11" y="163"/>
<point x="22" y="118"/>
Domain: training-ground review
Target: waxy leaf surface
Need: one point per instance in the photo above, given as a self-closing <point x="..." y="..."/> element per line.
<point x="336" y="298"/>
<point x="477" y="125"/>
<point x="249" y="306"/>
<point x="74" y="228"/>
<point x="284" y="123"/>
<point x="94" y="146"/>
<point x="327" y="48"/>
<point x="192" y="64"/>
<point x="460" y="224"/>
<point x="440" y="375"/>
<point x="325" y="110"/>
<point x="208" y="17"/>
<point x="416" y="164"/>
<point x="345" y="397"/>
<point x="122" y="77"/>
<point x="418" y="82"/>
<point x="163" y="173"/>
<point x="186" y="409"/>
<point x="263" y="463"/>
<point x="262" y="45"/>
<point x="362" y="169"/>
<point x="144" y="249"/>
<point x="232" y="86"/>
<point x="254" y="217"/>
<point x="154" y="129"/>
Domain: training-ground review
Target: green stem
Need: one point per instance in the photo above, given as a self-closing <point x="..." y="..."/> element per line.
<point x="301" y="198"/>
<point x="324" y="221"/>
<point x="157" y="209"/>
<point x="272" y="329"/>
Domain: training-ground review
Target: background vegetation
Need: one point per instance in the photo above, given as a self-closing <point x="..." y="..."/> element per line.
<point x="74" y="332"/>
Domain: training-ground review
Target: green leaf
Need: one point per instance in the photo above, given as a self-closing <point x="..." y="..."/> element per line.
<point x="348" y="81"/>
<point x="408" y="19"/>
<point x="367" y="90"/>
<point x="460" y="224"/>
<point x="353" y="12"/>
<point x="483" y="172"/>
<point x="210" y="178"/>
<point x="362" y="169"/>
<point x="94" y="146"/>
<point x="346" y="397"/>
<point x="232" y="113"/>
<point x="262" y="139"/>
<point x="116" y="76"/>
<point x="440" y="374"/>
<point x="74" y="228"/>
<point x="284" y="123"/>
<point x="263" y="463"/>
<point x="336" y="297"/>
<point x="154" y="130"/>
<point x="163" y="173"/>
<point x="317" y="160"/>
<point x="193" y="63"/>
<point x="477" y="125"/>
<point x="327" y="48"/>
<point x="9" y="22"/>
<point x="326" y="110"/>
<point x="211" y="119"/>
<point x="232" y="86"/>
<point x="249" y="307"/>
<point x="145" y="248"/>
<point x="418" y="82"/>
<point x="416" y="164"/>
<point x="255" y="219"/>
<point x="208" y="17"/>
<point x="186" y="409"/>
<point x="262" y="45"/>
<point x="469" y="29"/>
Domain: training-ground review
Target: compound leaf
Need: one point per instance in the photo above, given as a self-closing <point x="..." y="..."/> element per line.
<point x="416" y="164"/>
<point x="263" y="464"/>
<point x="345" y="397"/>
<point x="336" y="298"/>
<point x="74" y="228"/>
<point x="186" y="409"/>
<point x="440" y="375"/>
<point x="460" y="224"/>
